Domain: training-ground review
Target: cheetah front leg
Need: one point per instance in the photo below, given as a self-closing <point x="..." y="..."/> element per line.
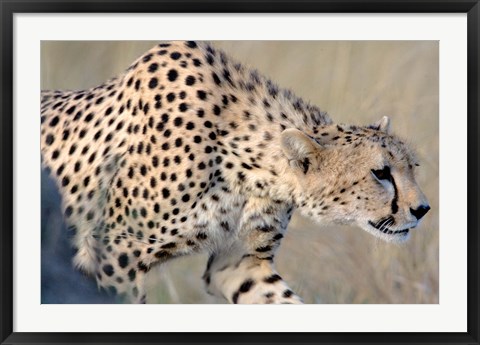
<point x="247" y="279"/>
<point x="244" y="272"/>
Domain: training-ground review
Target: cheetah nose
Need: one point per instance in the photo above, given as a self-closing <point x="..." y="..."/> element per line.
<point x="420" y="211"/>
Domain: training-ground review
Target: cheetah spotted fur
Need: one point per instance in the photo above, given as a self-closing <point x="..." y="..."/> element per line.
<point x="189" y="151"/>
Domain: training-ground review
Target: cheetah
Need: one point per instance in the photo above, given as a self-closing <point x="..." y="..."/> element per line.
<point x="189" y="151"/>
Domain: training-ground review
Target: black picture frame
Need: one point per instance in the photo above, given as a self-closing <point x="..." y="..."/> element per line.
<point x="10" y="7"/>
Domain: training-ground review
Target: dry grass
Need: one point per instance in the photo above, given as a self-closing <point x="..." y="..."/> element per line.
<point x="356" y="82"/>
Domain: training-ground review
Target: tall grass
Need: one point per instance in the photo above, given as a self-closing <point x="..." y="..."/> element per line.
<point x="356" y="82"/>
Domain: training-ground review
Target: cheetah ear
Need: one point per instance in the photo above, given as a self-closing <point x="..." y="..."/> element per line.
<point x="382" y="125"/>
<point x="298" y="148"/>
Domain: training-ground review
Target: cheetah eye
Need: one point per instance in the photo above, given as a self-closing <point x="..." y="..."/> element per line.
<point x="382" y="174"/>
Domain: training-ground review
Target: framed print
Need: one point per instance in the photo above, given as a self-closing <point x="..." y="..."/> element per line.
<point x="152" y="165"/>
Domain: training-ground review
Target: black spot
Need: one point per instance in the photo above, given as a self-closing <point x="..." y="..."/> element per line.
<point x="226" y="75"/>
<point x="216" y="79"/>
<point x="147" y="57"/>
<point x="97" y="135"/>
<point x="246" y="286"/>
<point x="66" y="134"/>
<point x="56" y="105"/>
<point x="190" y="80"/>
<point x="49" y="139"/>
<point x="91" y="158"/>
<point x="54" y="121"/>
<point x="183" y="107"/>
<point x="153" y="83"/>
<point x="191" y="44"/>
<point x="165" y="193"/>
<point x="246" y="166"/>
<point x="137" y="84"/>
<point x="210" y="59"/>
<point x="132" y="274"/>
<point x="153" y="67"/>
<point x="178" y="121"/>
<point x="277" y="237"/>
<point x="156" y="208"/>
<point x="108" y="269"/>
<point x="287" y="293"/>
<point x="172" y="75"/>
<point x="216" y="110"/>
<point x="272" y="279"/>
<point x="65" y="181"/>
<point x="170" y="97"/>
<point x="175" y="55"/>
<point x="70" y="110"/>
<point x="123" y="260"/>
<point x="60" y="169"/>
<point x="201" y="94"/>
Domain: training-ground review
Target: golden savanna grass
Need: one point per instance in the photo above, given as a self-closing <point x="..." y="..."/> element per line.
<point x="357" y="82"/>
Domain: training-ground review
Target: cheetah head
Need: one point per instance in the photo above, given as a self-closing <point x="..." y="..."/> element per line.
<point x="356" y="175"/>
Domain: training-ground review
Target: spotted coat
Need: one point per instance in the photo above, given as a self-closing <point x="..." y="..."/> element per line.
<point x="189" y="151"/>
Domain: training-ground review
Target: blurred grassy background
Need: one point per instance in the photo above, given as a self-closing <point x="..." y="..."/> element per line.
<point x="357" y="82"/>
